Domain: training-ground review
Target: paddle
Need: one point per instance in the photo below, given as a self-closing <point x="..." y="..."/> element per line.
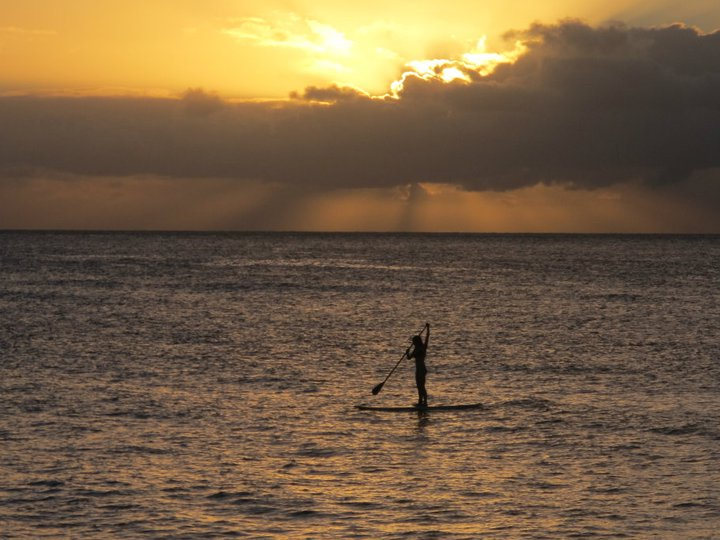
<point x="376" y="390"/>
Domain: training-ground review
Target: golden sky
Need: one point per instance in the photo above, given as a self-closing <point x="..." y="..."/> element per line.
<point x="501" y="115"/>
<point x="261" y="49"/>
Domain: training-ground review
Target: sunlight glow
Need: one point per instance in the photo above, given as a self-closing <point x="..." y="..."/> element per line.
<point x="477" y="62"/>
<point x="441" y="69"/>
<point x="486" y="62"/>
<point x="450" y="74"/>
<point x="328" y="52"/>
<point x="331" y="40"/>
<point x="292" y="32"/>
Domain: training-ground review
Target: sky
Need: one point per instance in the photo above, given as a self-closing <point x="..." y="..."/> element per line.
<point x="494" y="116"/>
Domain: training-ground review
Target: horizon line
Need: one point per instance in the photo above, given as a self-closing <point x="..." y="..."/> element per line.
<point x="348" y="232"/>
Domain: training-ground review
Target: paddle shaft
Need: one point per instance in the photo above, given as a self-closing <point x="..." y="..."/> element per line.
<point x="377" y="389"/>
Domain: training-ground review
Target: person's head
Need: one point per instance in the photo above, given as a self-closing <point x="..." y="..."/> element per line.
<point x="417" y="341"/>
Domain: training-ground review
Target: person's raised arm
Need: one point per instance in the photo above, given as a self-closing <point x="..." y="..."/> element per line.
<point x="427" y="335"/>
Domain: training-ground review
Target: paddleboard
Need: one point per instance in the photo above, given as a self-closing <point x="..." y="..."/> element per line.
<point x="421" y="409"/>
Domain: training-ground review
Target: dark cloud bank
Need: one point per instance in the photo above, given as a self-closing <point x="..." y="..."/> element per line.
<point x="584" y="106"/>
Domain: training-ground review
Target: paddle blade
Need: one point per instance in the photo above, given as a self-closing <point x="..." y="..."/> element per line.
<point x="377" y="389"/>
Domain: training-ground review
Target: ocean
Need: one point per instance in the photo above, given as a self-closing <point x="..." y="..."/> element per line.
<point x="204" y="385"/>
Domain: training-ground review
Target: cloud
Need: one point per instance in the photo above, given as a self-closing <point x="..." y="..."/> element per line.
<point x="290" y="31"/>
<point x="199" y="102"/>
<point x="585" y="107"/>
<point x="17" y="31"/>
<point x="330" y="94"/>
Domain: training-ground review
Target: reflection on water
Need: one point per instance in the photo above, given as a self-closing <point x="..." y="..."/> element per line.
<point x="204" y="385"/>
<point x="423" y="421"/>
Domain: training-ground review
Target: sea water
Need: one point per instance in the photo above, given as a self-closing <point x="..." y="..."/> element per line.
<point x="204" y="385"/>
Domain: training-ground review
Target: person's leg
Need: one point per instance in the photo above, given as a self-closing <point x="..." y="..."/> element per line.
<point x="422" y="393"/>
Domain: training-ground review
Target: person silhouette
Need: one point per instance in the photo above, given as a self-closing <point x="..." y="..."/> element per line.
<point x="418" y="353"/>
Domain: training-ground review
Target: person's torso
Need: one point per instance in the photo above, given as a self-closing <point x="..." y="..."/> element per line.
<point x="419" y="357"/>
